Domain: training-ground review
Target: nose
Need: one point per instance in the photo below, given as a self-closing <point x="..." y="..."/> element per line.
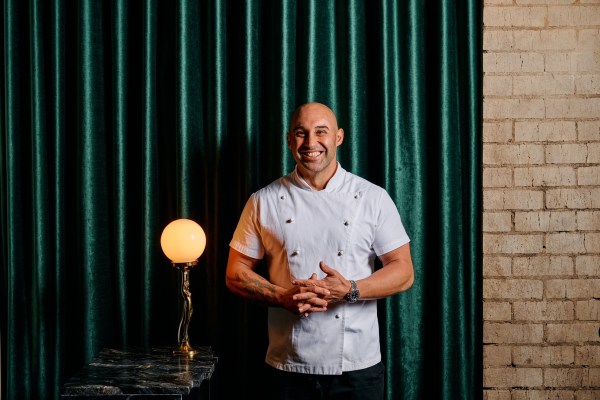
<point x="310" y="139"/>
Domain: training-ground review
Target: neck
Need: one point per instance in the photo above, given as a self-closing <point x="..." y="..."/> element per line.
<point x="316" y="180"/>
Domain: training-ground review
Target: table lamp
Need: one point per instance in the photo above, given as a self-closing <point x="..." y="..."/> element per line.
<point x="183" y="242"/>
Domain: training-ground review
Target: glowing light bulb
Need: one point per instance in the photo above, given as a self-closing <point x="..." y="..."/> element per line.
<point x="183" y="241"/>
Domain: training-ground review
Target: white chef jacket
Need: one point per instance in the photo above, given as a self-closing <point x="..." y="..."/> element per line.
<point x="346" y="225"/>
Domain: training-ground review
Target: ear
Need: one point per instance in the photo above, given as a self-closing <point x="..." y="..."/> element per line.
<point x="287" y="138"/>
<point x="339" y="137"/>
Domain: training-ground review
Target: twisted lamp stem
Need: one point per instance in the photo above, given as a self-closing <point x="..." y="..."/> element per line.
<point x="186" y="310"/>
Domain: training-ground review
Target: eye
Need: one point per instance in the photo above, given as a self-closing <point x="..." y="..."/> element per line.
<point x="321" y="132"/>
<point x="299" y="133"/>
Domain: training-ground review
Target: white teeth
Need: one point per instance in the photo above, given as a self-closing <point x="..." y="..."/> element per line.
<point x="313" y="154"/>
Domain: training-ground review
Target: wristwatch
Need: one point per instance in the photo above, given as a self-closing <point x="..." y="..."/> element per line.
<point x="353" y="294"/>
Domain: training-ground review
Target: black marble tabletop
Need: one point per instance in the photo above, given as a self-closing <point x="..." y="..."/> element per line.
<point x="135" y="371"/>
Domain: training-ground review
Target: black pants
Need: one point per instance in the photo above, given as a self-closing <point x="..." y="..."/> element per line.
<point x="364" y="384"/>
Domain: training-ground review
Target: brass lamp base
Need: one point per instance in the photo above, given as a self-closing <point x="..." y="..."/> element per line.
<point x="185" y="350"/>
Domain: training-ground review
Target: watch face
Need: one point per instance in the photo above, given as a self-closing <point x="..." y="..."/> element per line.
<point x="353" y="294"/>
<point x="352" y="297"/>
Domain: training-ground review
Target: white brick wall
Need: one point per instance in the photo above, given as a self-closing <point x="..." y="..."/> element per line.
<point x="541" y="180"/>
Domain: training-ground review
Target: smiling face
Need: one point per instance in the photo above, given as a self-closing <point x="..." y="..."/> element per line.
<point x="313" y="139"/>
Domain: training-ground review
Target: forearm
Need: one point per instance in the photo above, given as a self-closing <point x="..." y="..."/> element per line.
<point x="396" y="275"/>
<point x="385" y="282"/>
<point x="253" y="287"/>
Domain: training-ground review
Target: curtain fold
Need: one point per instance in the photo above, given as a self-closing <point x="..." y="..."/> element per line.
<point x="116" y="119"/>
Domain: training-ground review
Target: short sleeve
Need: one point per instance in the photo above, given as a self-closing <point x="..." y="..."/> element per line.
<point x="389" y="233"/>
<point x="246" y="237"/>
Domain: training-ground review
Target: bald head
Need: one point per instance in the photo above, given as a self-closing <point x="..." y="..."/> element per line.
<point x="313" y="107"/>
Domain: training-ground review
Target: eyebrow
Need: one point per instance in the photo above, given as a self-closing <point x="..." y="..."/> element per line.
<point x="300" y="126"/>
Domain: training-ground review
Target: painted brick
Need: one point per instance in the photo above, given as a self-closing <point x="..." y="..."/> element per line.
<point x="542" y="395"/>
<point x="513" y="62"/>
<point x="510" y="377"/>
<point x="573" y="16"/>
<point x="540" y="356"/>
<point x="536" y="40"/>
<point x="588" y="39"/>
<point x="497" y="311"/>
<point x="494" y="355"/>
<point x="588" y="220"/>
<point x="543" y="266"/>
<point x="565" y="377"/>
<point x="572" y="288"/>
<point x="588" y="310"/>
<point x="531" y="2"/>
<point x="592" y="242"/>
<point x="547" y="84"/>
<point x="513" y="199"/>
<point x="593" y="378"/>
<point x="565" y="243"/>
<point x="512" y="244"/>
<point x="495" y="394"/>
<point x="514" y="108"/>
<point x="582" y="332"/>
<point x="571" y="108"/>
<point x="572" y="62"/>
<point x="545" y="176"/>
<point x="497" y="222"/>
<point x="553" y="131"/>
<point x="497" y="40"/>
<point x="587" y="265"/>
<point x="587" y="84"/>
<point x="497" y="177"/>
<point x="584" y="394"/>
<point x="511" y="333"/>
<point x="497" y="85"/>
<point x="588" y="130"/>
<point x="517" y="154"/>
<point x="588" y="175"/>
<point x="496" y="266"/>
<point x="541" y="89"/>
<point x="514" y="16"/>
<point x="512" y="289"/>
<point x="580" y="198"/>
<point x="593" y="152"/>
<point x="497" y="132"/>
<point x="545" y="221"/>
<point x="587" y="355"/>
<point x="543" y="310"/>
<point x="587" y="61"/>
<point x="571" y="153"/>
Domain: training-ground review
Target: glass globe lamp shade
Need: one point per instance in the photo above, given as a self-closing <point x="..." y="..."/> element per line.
<point x="183" y="241"/>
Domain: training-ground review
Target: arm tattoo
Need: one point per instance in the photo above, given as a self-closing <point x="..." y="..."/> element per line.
<point x="257" y="290"/>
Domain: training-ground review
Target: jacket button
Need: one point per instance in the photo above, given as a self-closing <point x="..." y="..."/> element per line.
<point x="282" y="197"/>
<point x="340" y="252"/>
<point x="346" y="223"/>
<point x="289" y="221"/>
<point x="295" y="252"/>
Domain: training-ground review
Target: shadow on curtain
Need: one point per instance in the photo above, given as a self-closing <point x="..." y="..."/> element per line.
<point x="118" y="117"/>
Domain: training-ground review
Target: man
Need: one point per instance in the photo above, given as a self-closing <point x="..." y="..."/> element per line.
<point x="319" y="229"/>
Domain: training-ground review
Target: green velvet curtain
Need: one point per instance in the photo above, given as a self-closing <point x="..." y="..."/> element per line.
<point x="120" y="116"/>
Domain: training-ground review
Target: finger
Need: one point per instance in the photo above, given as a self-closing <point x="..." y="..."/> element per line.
<point x="310" y="293"/>
<point x="305" y="282"/>
<point x="327" y="269"/>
